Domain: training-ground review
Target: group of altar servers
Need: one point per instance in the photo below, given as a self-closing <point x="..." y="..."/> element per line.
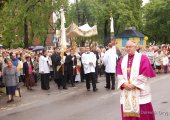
<point x="83" y="65"/>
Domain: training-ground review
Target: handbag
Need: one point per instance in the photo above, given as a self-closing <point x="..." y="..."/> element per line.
<point x="18" y="92"/>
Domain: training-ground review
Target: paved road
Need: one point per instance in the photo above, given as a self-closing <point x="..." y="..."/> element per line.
<point x="78" y="104"/>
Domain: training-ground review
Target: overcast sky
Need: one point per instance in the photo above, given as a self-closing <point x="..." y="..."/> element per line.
<point x="144" y="1"/>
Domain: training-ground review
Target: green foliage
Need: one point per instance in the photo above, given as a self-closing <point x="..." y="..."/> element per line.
<point x="36" y="14"/>
<point x="126" y="13"/>
<point x="153" y="19"/>
<point x="157" y="20"/>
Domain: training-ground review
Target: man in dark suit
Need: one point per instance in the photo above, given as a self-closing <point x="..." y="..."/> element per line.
<point x="71" y="63"/>
<point x="97" y="58"/>
<point x="56" y="58"/>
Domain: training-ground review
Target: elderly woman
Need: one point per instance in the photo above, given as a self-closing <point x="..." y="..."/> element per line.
<point x="28" y="72"/>
<point x="10" y="78"/>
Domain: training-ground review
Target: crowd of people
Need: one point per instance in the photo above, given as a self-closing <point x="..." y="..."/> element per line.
<point x="72" y="66"/>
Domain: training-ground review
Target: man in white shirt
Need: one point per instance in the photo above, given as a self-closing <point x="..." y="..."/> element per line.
<point x="89" y="64"/>
<point x="44" y="70"/>
<point x="109" y="60"/>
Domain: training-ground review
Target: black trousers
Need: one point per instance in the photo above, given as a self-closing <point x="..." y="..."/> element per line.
<point x="45" y="81"/>
<point x="82" y="75"/>
<point x="68" y="76"/>
<point x="110" y="78"/>
<point x="65" y="79"/>
<point x="165" y="68"/>
<point x="101" y="70"/>
<point x="59" y="80"/>
<point x="90" y="77"/>
<point x="72" y="80"/>
<point x="96" y="73"/>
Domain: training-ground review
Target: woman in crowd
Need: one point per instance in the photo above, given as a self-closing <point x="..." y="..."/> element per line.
<point x="1" y="65"/>
<point x="10" y="79"/>
<point x="28" y="72"/>
<point x="36" y="69"/>
<point x="165" y="62"/>
<point x="158" y="61"/>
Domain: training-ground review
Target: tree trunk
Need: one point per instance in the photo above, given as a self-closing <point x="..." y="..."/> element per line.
<point x="45" y="38"/>
<point x="25" y="33"/>
<point x="31" y="39"/>
<point x="106" y="40"/>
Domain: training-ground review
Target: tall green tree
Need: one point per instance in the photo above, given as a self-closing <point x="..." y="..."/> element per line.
<point x="23" y="21"/>
<point x="126" y="13"/>
<point x="157" y="20"/>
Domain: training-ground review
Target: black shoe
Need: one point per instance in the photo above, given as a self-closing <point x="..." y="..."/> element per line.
<point x="112" y="88"/>
<point x="88" y="89"/>
<point x="59" y="87"/>
<point x="65" y="88"/>
<point x="107" y="87"/>
<point x="95" y="90"/>
<point x="47" y="88"/>
<point x="73" y="85"/>
<point x="9" y="101"/>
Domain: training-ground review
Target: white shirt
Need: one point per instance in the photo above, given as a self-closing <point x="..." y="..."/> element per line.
<point x="158" y="59"/>
<point x="43" y="64"/>
<point x="86" y="59"/>
<point x="150" y="55"/>
<point x="109" y="60"/>
<point x="165" y="60"/>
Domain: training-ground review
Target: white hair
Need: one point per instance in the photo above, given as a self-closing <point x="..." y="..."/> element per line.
<point x="132" y="41"/>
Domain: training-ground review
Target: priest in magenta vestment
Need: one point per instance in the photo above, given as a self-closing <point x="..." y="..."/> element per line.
<point x="134" y="71"/>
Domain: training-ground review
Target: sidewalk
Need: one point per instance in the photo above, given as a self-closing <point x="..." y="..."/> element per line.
<point x="34" y="96"/>
<point x="37" y="96"/>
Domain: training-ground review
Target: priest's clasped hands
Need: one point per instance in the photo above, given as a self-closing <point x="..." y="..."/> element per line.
<point x="128" y="86"/>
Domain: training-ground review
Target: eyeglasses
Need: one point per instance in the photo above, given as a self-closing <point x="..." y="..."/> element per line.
<point x="129" y="46"/>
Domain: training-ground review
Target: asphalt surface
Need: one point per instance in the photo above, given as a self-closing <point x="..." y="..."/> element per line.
<point x="79" y="104"/>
